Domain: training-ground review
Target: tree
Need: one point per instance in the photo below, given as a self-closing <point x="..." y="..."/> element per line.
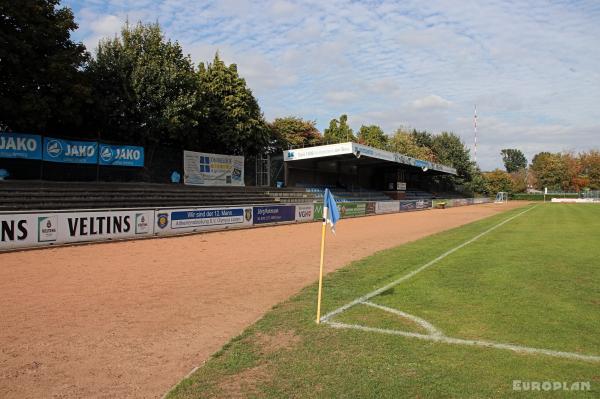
<point x="590" y="168"/>
<point x="233" y="121"/>
<point x="422" y="138"/>
<point x="338" y="131"/>
<point x="41" y="84"/>
<point x="519" y="181"/>
<point x="373" y="136"/>
<point x="550" y="170"/>
<point x="450" y="150"/>
<point x="145" y="88"/>
<point x="292" y="132"/>
<point x="575" y="179"/>
<point x="405" y="143"/>
<point x="497" y="181"/>
<point x="477" y="184"/>
<point x="513" y="159"/>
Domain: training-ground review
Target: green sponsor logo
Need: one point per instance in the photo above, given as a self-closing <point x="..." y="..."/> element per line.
<point x="346" y="209"/>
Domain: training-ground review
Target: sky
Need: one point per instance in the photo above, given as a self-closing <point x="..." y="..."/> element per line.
<point x="532" y="68"/>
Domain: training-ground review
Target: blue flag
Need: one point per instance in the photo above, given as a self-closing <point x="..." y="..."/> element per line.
<point x="333" y="215"/>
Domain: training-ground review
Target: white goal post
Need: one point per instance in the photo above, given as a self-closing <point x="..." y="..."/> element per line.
<point x="501" y="197"/>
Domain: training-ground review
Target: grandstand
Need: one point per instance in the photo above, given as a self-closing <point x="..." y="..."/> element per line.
<point x="355" y="172"/>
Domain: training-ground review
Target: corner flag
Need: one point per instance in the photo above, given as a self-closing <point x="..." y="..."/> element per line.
<point x="330" y="215"/>
<point x="330" y="212"/>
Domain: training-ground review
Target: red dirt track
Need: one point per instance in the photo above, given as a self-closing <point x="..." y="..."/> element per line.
<point x="130" y="319"/>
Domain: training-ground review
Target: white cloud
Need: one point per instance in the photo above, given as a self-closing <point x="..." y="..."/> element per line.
<point x="282" y="8"/>
<point x="431" y="101"/>
<point x="341" y="96"/>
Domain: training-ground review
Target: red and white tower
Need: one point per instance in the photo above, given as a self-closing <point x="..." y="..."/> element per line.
<point x="475" y="132"/>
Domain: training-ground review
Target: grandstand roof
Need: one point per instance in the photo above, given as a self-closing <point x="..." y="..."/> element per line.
<point x="360" y="150"/>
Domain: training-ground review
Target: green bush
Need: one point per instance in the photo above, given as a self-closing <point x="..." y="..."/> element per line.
<point x="540" y="197"/>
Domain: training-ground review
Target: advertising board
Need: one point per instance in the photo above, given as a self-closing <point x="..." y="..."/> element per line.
<point x="387" y="207"/>
<point x="370" y="208"/>
<point x="175" y="221"/>
<point x="205" y="169"/>
<point x="423" y="204"/>
<point x="70" y="151"/>
<point x="346" y="209"/>
<point x="305" y="212"/>
<point x="408" y="205"/>
<point x="121" y="155"/>
<point x="19" y="145"/>
<point x="45" y="228"/>
<point x="273" y="214"/>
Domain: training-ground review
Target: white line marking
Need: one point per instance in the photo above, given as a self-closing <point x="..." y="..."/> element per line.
<point x="433" y="333"/>
<point x="458" y="341"/>
<point x="378" y="291"/>
<point x="188" y="375"/>
<point x="423" y="323"/>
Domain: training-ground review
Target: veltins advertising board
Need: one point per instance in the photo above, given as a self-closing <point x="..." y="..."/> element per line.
<point x="37" y="229"/>
<point x="204" y="169"/>
<point x="70" y="151"/>
<point x="18" y="145"/>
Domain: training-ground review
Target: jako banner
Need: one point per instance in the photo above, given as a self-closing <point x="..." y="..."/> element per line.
<point x="204" y="169"/>
<point x="69" y="151"/>
<point x="18" y="145"/>
<point x="121" y="155"/>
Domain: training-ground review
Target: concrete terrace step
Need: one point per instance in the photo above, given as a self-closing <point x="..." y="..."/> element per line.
<point x="16" y="196"/>
<point x="117" y="204"/>
<point x="103" y="186"/>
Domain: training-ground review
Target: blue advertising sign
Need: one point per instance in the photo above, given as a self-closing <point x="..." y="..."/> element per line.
<point x="69" y="151"/>
<point x="206" y="217"/>
<point x="121" y="155"/>
<point x="274" y="214"/>
<point x="18" y="145"/>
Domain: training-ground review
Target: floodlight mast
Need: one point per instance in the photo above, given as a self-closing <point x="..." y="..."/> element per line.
<point x="475" y="133"/>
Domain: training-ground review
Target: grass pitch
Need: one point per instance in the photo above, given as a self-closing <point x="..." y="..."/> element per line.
<point x="532" y="282"/>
